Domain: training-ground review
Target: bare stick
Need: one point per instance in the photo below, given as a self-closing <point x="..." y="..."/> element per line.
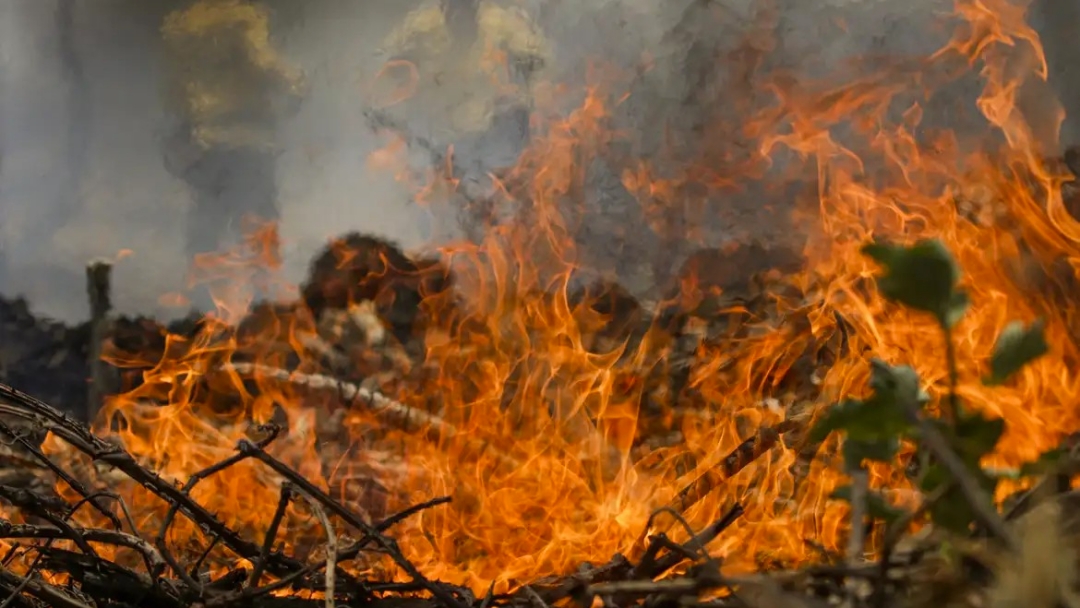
<point x="110" y="537"/>
<point x="699" y="540"/>
<point x="98" y="275"/>
<point x="404" y="417"/>
<point x="331" y="548"/>
<point x="16" y="403"/>
<point x="271" y="534"/>
<point x="52" y="596"/>
<point x="388" y="545"/>
<point x="73" y="483"/>
<point x="859" y="488"/>
<point x="860" y="481"/>
<point x="737" y="460"/>
<point x="407" y="418"/>
<point x="981" y="502"/>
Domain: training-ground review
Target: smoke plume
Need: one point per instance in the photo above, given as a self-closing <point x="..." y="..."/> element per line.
<point x="81" y="118"/>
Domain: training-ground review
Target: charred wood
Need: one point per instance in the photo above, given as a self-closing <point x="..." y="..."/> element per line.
<point x="359" y="267"/>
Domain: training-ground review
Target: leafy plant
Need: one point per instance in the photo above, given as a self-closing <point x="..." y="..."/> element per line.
<point x="925" y="277"/>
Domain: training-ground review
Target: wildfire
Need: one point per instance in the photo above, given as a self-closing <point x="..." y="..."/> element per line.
<point x="538" y="432"/>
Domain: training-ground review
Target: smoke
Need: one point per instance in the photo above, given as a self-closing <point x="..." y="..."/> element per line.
<point x="81" y="120"/>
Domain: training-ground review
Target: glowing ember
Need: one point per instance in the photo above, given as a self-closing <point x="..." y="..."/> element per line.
<point x="540" y="433"/>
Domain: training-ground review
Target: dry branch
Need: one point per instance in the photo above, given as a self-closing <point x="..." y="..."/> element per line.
<point x="401" y="416"/>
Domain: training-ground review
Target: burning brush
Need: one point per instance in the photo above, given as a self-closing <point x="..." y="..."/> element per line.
<point x="518" y="435"/>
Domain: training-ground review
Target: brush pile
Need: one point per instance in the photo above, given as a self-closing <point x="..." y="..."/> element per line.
<point x="365" y="300"/>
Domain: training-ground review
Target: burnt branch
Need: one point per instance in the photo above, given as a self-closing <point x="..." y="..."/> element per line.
<point x="19" y="404"/>
<point x="371" y="535"/>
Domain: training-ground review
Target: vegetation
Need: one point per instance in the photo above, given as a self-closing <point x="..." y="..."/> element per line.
<point x="958" y="491"/>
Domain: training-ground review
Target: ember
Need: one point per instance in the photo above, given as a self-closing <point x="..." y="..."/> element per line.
<point x="779" y="422"/>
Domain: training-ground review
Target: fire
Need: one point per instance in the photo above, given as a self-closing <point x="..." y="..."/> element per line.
<point x="537" y="431"/>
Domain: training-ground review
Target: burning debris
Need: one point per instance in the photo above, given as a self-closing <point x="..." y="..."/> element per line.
<point x="96" y="538"/>
<point x="359" y="268"/>
<point x="504" y="425"/>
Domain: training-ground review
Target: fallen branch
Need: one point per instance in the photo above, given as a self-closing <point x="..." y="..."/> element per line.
<point x="16" y="403"/>
<point x="403" y="417"/>
<point x="738" y="459"/>
<point x="371" y="535"/>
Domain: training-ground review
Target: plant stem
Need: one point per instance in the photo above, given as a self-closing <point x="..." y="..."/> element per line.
<point x="951" y="412"/>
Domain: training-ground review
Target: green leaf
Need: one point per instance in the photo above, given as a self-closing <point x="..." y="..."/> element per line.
<point x="923" y="277"/>
<point x="880" y="449"/>
<point x="976" y="436"/>
<point x="896" y="385"/>
<point x="958" y="305"/>
<point x="1045" y="463"/>
<point x="952" y="511"/>
<point x="838" y="418"/>
<point x="876" y="506"/>
<point x="1016" y="347"/>
<point x="868" y="421"/>
<point x="874" y="426"/>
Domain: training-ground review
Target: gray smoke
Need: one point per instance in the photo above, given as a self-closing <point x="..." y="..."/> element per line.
<point x="81" y="119"/>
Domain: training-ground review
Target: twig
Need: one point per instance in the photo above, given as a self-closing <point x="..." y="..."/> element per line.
<point x="109" y="582"/>
<point x="400" y="516"/>
<point x="25" y="582"/>
<point x="73" y="483"/>
<point x="700" y="539"/>
<point x="738" y="459"/>
<point x="16" y="403"/>
<point x="489" y="596"/>
<point x="194" y="571"/>
<point x="404" y="417"/>
<point x="979" y="499"/>
<point x="123" y="539"/>
<point x="271" y="535"/>
<point x="555" y="589"/>
<point x="409" y="419"/>
<point x="45" y="592"/>
<point x="860" y="481"/>
<point x="354" y="549"/>
<point x="534" y="597"/>
<point x="370" y="533"/>
<point x="202" y="474"/>
<point x="893" y="534"/>
<point x="1056" y="481"/>
<point x="27" y="501"/>
<point x="331" y="549"/>
<point x="110" y="537"/>
<point x="101" y="378"/>
<point x="17" y="592"/>
<point x="196" y="477"/>
<point x="250" y="593"/>
<point x="643" y="588"/>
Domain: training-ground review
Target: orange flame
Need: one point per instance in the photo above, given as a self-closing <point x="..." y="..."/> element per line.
<point x="540" y="439"/>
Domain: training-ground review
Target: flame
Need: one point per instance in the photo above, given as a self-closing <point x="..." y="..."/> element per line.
<point x="538" y="432"/>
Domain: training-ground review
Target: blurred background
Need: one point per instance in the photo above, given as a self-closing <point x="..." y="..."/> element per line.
<point x="85" y="124"/>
